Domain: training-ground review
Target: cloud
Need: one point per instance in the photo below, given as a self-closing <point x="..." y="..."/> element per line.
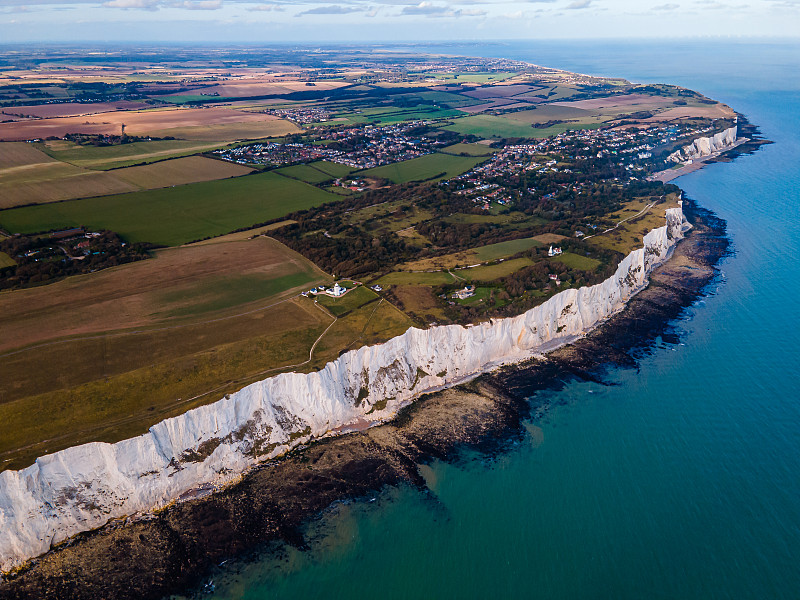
<point x="156" y="4"/>
<point x="197" y="4"/>
<point x="578" y="4"/>
<point x="335" y="9"/>
<point x="429" y="9"/>
<point x="266" y="8"/>
<point x="140" y="4"/>
<point x="666" y="7"/>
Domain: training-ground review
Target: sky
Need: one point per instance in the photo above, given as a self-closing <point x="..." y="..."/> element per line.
<point x="316" y="21"/>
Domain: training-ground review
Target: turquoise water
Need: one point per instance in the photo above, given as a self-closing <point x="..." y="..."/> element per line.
<point x="682" y="481"/>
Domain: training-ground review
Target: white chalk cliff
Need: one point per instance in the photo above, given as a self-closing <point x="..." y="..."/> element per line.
<point x="83" y="487"/>
<point x="706" y="146"/>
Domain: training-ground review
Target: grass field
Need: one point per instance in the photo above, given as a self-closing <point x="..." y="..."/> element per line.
<point x="429" y="167"/>
<point x="308" y="173"/>
<point x="350" y="301"/>
<point x="335" y="170"/>
<point x="177" y="215"/>
<point x="506" y="126"/>
<point x="503" y="249"/>
<point x="112" y="157"/>
<point x="53" y="181"/>
<point x="107" y="354"/>
<point x="576" y="261"/>
<point x="469" y="149"/>
<point x="630" y="233"/>
<point x="6" y="260"/>
<point x="420" y="278"/>
<point x="473" y="256"/>
<point x="495" y="271"/>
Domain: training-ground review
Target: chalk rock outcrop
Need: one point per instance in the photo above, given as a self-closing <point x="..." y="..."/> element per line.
<point x="705" y="146"/>
<point x="83" y="487"/>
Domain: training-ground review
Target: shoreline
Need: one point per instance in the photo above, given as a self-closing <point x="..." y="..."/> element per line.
<point x="168" y="551"/>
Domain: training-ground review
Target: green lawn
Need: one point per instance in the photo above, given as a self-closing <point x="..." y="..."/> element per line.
<point x="424" y="168"/>
<point x="576" y="261"/>
<point x="350" y="301"/>
<point x="491" y="126"/>
<point x="174" y="216"/>
<point x="470" y="149"/>
<point x="503" y="249"/>
<point x="408" y="278"/>
<point x="492" y="272"/>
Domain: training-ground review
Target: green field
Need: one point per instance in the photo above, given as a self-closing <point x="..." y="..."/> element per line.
<point x="350" y="301"/>
<point x="234" y="290"/>
<point x="307" y="173"/>
<point x="393" y="114"/>
<point x="174" y="216"/>
<point x="492" y="272"/>
<point x="469" y="149"/>
<point x="424" y="168"/>
<point x="503" y="249"/>
<point x="123" y="155"/>
<point x="6" y="260"/>
<point x="409" y="278"/>
<point x="576" y="261"/>
<point x="491" y="126"/>
<point x="333" y="169"/>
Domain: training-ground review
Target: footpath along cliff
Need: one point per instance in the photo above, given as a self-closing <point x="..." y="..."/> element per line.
<point x="83" y="487"/>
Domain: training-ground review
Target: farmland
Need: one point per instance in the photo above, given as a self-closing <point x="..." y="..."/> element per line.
<point x="143" y="345"/>
<point x="178" y="215"/>
<point x="122" y="155"/>
<point x="44" y="180"/>
<point x="425" y="168"/>
<point x="105" y="354"/>
<point x="205" y="124"/>
<point x="180" y="171"/>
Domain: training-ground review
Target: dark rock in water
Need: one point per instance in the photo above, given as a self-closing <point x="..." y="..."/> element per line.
<point x="171" y="551"/>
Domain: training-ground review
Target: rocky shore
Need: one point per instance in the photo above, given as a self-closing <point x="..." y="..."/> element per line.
<point x="171" y="550"/>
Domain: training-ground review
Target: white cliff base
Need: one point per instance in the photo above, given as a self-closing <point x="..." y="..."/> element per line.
<point x="83" y="487"/>
<point x="706" y="146"/>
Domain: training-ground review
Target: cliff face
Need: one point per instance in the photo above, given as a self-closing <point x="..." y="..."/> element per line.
<point x="83" y="487"/>
<point x="706" y="146"/>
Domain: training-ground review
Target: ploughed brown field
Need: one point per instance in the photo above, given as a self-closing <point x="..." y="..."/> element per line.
<point x="621" y="100"/>
<point x="267" y="87"/>
<point x="150" y="122"/>
<point x="69" y="109"/>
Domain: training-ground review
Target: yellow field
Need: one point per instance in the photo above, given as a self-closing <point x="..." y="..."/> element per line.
<point x="28" y="176"/>
<point x="179" y="171"/>
<point x="229" y="132"/>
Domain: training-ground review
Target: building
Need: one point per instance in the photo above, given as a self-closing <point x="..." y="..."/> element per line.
<point x="553" y="251"/>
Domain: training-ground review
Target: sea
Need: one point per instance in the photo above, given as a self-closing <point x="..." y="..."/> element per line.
<point x="679" y="479"/>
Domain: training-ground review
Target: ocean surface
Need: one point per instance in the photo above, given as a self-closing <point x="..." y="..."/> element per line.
<point x="682" y="481"/>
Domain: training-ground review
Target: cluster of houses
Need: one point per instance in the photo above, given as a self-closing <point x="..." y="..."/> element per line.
<point x="302" y="116"/>
<point x="370" y="146"/>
